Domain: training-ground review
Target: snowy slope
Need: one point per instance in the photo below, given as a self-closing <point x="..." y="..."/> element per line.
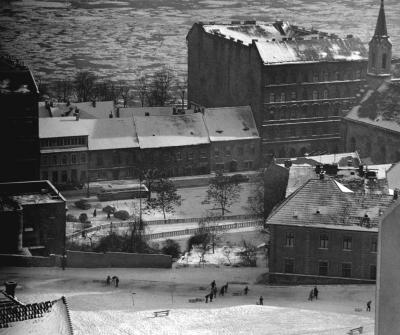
<point x="233" y="320"/>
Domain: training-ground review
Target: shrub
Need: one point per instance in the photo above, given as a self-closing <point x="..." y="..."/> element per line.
<point x="122" y="215"/>
<point x="72" y="218"/>
<point x="198" y="239"/>
<point x="171" y="248"/>
<point x="83" y="204"/>
<point x="83" y="217"/>
<point x="109" y="209"/>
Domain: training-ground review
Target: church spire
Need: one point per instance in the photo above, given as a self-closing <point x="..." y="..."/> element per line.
<point x="381" y="29"/>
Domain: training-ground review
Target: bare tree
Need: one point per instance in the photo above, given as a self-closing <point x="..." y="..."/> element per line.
<point x="150" y="177"/>
<point x="181" y="86"/>
<point x="209" y="225"/>
<point x="142" y="88"/>
<point x="160" y="88"/>
<point x="84" y="84"/>
<point x="64" y="89"/>
<point x="223" y="192"/>
<point x="255" y="203"/>
<point x="125" y="92"/>
<point x="248" y="254"/>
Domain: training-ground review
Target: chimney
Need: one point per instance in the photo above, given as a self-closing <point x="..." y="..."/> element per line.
<point x="94" y="103"/>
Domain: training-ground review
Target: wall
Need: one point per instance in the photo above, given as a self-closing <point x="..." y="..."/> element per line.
<point x="381" y="145"/>
<point x="78" y="259"/>
<point x="29" y="261"/>
<point x="388" y="283"/>
<point x="307" y="252"/>
<point x="240" y="151"/>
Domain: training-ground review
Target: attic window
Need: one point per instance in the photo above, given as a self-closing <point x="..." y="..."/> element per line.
<point x="219" y="131"/>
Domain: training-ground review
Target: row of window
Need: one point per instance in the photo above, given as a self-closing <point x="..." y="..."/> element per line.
<point x="324" y="270"/>
<point x="301" y="130"/>
<point x="314" y="95"/>
<point x="284" y="152"/>
<point x="63" y="177"/>
<point x="247" y="165"/>
<point x="313" y="76"/>
<point x="64" y="159"/>
<point x="63" y="141"/>
<point x="308" y="112"/>
<point x="324" y="242"/>
<point x="228" y="150"/>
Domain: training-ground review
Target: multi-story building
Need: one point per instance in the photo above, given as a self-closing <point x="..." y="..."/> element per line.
<point x="234" y="139"/>
<point x="177" y="145"/>
<point x="324" y="229"/>
<point x="19" y="130"/>
<point x="33" y="214"/>
<point x="297" y="81"/>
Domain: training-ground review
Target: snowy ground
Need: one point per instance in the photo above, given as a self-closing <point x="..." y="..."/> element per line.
<point x="99" y="309"/>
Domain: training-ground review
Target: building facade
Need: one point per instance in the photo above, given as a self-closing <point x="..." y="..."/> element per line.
<point x="296" y="86"/>
<point x="325" y="229"/>
<point x="19" y="129"/>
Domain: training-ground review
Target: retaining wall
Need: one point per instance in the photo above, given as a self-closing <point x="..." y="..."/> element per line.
<point x="29" y="261"/>
<point x="80" y="259"/>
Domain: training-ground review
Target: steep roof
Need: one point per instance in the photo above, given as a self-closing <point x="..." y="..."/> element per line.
<point x="230" y="123"/>
<point x="171" y="131"/>
<point x="325" y="203"/>
<point x="381" y="29"/>
<point x="379" y="108"/>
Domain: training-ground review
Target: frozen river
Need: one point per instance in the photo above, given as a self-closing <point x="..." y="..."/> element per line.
<point x="122" y="39"/>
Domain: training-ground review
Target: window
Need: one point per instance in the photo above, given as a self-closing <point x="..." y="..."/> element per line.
<point x="178" y="155"/>
<point x="337" y="75"/>
<point x="228" y="150"/>
<point x="73" y="159"/>
<point x="372" y="272"/>
<point x="326" y="76"/>
<point x="384" y="59"/>
<point x="289" y="265"/>
<point x="346" y="270"/>
<point x="358" y="74"/>
<point x="248" y="165"/>
<point x="240" y="150"/>
<point x="219" y="167"/>
<point x="83" y="158"/>
<point x="216" y="152"/>
<point x="252" y="149"/>
<point x="326" y="94"/>
<point x="283" y="96"/>
<point x="64" y="176"/>
<point x="293" y="96"/>
<point x="322" y="268"/>
<point x="99" y="160"/>
<point x="83" y="176"/>
<point x="203" y="154"/>
<point x="315" y="95"/>
<point x="190" y="155"/>
<point x="64" y="159"/>
<point x="315" y="76"/>
<point x="45" y="175"/>
<point x="54" y="160"/>
<point x="272" y="97"/>
<point x="116" y="158"/>
<point x="305" y="95"/>
<point x="323" y="241"/>
<point x="54" y="177"/>
<point x="374" y="244"/>
<point x="347" y="242"/>
<point x="373" y="59"/>
<point x="289" y="239"/>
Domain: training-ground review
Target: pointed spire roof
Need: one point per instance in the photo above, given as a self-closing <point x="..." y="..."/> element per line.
<point x="381" y="29"/>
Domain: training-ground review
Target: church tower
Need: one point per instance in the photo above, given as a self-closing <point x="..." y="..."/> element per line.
<point x="380" y="53"/>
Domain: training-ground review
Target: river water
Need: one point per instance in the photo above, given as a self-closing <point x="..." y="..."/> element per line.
<point x="126" y="38"/>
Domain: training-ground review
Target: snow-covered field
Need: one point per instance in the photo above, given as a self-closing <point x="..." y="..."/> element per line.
<point x="99" y="309"/>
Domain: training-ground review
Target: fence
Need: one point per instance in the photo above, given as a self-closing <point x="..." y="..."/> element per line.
<point x="126" y="224"/>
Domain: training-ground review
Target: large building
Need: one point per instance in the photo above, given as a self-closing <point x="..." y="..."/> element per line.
<point x="296" y="80"/>
<point x="19" y="130"/>
<point x="325" y="229"/>
<point x="33" y="217"/>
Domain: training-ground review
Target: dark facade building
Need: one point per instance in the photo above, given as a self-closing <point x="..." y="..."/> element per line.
<point x="19" y="130"/>
<point x="325" y="229"/>
<point x="297" y="81"/>
<point x="33" y="215"/>
<point x="372" y="126"/>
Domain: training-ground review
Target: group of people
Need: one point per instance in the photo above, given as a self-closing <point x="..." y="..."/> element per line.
<point x="114" y="280"/>
<point x="313" y="294"/>
<point x="214" y="290"/>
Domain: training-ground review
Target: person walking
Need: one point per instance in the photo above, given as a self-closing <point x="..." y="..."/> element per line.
<point x="222" y="291"/>
<point x="116" y="281"/>
<point x="246" y="290"/>
<point x="213" y="284"/>
<point x="311" y="295"/>
<point x="261" y="300"/>
<point x="108" y="281"/>
<point x="226" y="287"/>
<point x="108" y="215"/>
<point x="94" y="213"/>
<point x="316" y="293"/>
<point x="64" y="261"/>
<point x="207" y="298"/>
<point x="211" y="295"/>
<point x="369" y="306"/>
<point x="215" y="290"/>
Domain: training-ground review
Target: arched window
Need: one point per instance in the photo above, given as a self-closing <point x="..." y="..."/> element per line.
<point x="272" y="97"/>
<point x="326" y="94"/>
<point x="271" y="114"/>
<point x="283" y="96"/>
<point x="326" y="76"/>
<point x="373" y="59"/>
<point x="315" y="77"/>
<point x="315" y="95"/>
<point x="384" y="60"/>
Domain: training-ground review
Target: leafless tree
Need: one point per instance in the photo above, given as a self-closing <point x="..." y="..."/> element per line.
<point x="181" y="86"/>
<point x="209" y="225"/>
<point x="255" y="202"/>
<point x="160" y="88"/>
<point x="142" y="88"/>
<point x="63" y="89"/>
<point x="84" y="84"/>
<point x="125" y="91"/>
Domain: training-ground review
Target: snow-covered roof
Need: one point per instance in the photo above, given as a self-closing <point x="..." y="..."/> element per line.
<point x="281" y="42"/>
<point x="101" y="110"/>
<point x="230" y="123"/>
<point x="52" y="127"/>
<point x="171" y="131"/>
<point x="141" y="111"/>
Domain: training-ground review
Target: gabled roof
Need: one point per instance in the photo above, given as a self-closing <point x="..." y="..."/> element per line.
<point x="230" y="123"/>
<point x="171" y="131"/>
<point x="379" y="108"/>
<point x="324" y="203"/>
